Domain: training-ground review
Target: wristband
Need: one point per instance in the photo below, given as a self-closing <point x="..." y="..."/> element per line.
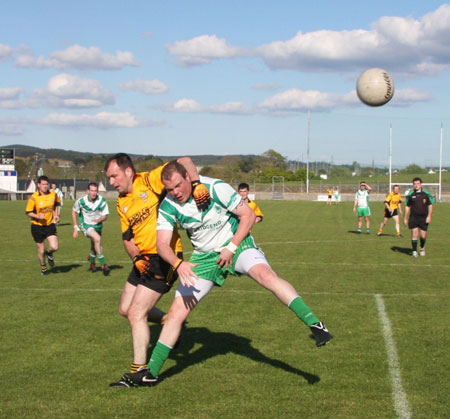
<point x="177" y="264"/>
<point x="231" y="247"/>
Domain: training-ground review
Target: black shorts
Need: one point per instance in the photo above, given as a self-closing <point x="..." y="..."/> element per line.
<point x="389" y="214"/>
<point x="40" y="233"/>
<point x="418" y="221"/>
<point x="157" y="278"/>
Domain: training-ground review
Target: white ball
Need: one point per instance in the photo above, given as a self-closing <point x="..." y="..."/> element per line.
<point x="375" y="87"/>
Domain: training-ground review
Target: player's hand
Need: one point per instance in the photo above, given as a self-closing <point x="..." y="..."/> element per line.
<point x="405" y="221"/>
<point x="75" y="232"/>
<point x="354" y="209"/>
<point x="142" y="263"/>
<point x="201" y="195"/>
<point x="225" y="258"/>
<point x="40" y="216"/>
<point x="57" y="219"/>
<point x="186" y="274"/>
<point x="428" y="220"/>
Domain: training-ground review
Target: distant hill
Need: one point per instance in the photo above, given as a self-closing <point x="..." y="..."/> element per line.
<point x="56" y="153"/>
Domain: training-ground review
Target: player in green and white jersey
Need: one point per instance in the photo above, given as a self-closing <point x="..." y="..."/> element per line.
<point x="222" y="244"/>
<point x="361" y="206"/>
<point x="88" y="214"/>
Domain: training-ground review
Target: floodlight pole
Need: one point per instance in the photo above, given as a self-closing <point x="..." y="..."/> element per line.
<point x="307" y="151"/>
<point x="440" y="162"/>
<point x="390" y="157"/>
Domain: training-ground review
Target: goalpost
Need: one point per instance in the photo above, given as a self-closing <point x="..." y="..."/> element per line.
<point x="434" y="188"/>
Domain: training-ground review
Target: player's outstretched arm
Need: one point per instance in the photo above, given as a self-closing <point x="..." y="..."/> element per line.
<point x="405" y="218"/>
<point x="184" y="269"/>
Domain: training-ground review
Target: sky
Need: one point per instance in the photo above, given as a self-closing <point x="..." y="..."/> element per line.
<point x="193" y="77"/>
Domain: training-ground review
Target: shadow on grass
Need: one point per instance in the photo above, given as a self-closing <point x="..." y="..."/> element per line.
<point x="356" y="232"/>
<point x="99" y="271"/>
<point x="58" y="269"/>
<point x="63" y="224"/>
<point x="404" y="250"/>
<point x="220" y="343"/>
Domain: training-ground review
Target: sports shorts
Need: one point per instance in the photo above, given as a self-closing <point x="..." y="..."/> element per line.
<point x="156" y="279"/>
<point x="363" y="212"/>
<point x="245" y="261"/>
<point x="418" y="221"/>
<point x="85" y="228"/>
<point x="40" y="233"/>
<point x="390" y="214"/>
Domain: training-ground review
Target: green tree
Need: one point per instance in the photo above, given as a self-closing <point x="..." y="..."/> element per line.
<point x="413" y="169"/>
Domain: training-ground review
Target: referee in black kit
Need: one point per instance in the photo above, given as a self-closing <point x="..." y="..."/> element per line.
<point x="419" y="203"/>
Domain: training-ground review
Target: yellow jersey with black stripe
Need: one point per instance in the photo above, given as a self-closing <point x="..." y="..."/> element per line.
<point x="393" y="200"/>
<point x="254" y="206"/>
<point x="43" y="204"/>
<point x="138" y="212"/>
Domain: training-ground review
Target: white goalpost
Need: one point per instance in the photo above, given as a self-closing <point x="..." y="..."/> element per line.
<point x="434" y="188"/>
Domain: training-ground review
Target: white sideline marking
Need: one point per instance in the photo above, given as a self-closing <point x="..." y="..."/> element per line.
<point x="227" y="291"/>
<point x="399" y="395"/>
<point x="128" y="263"/>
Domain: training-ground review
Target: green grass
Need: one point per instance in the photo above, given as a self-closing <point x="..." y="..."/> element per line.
<point x="243" y="353"/>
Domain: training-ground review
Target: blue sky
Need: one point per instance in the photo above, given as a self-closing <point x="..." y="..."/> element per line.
<point x="225" y="77"/>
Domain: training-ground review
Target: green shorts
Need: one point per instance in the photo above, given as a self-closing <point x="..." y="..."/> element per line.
<point x="85" y="227"/>
<point x="207" y="267"/>
<point x="363" y="212"/>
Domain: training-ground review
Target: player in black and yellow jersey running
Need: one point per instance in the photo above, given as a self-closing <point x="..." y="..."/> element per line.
<point x="393" y="208"/>
<point x="42" y="209"/>
<point x="137" y="205"/>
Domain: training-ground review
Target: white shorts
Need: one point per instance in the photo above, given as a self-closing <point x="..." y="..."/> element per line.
<point x="246" y="260"/>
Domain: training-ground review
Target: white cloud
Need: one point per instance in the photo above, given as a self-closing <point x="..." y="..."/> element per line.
<point x="77" y="57"/>
<point x="403" y="44"/>
<point x="406" y="97"/>
<point x="7" y="93"/>
<point x="10" y="128"/>
<point x="102" y="120"/>
<point x="148" y="87"/>
<point x="294" y="100"/>
<point x="62" y="91"/>
<point x="201" y="50"/>
<point x="192" y="106"/>
<point x="5" y="51"/>
<point x="265" y="86"/>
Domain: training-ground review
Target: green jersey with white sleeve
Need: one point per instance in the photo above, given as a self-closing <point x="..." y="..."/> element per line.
<point x="88" y="211"/>
<point x="362" y="198"/>
<point x="210" y="230"/>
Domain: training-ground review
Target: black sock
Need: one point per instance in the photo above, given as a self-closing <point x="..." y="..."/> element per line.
<point x="422" y="242"/>
<point x="414" y="245"/>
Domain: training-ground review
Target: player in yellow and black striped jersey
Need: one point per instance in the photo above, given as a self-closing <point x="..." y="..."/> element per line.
<point x="243" y="190"/>
<point x="393" y="207"/>
<point x="42" y="209"/>
<point x="137" y="205"/>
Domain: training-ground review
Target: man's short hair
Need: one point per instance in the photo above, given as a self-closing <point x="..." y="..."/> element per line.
<point x="123" y="161"/>
<point x="42" y="178"/>
<point x="93" y="184"/>
<point x="171" y="168"/>
<point x="394" y="186"/>
<point x="417" y="179"/>
<point x="243" y="185"/>
<point x="360" y="183"/>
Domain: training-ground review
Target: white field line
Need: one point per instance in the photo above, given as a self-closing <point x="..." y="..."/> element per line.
<point x="398" y="393"/>
<point x="125" y="262"/>
<point x="229" y="291"/>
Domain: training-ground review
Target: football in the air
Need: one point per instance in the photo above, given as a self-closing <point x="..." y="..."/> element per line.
<point x="375" y="87"/>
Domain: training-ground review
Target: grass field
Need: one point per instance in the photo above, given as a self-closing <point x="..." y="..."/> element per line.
<point x="243" y="353"/>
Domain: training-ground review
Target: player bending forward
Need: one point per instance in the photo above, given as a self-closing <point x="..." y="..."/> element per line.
<point x="221" y="244"/>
